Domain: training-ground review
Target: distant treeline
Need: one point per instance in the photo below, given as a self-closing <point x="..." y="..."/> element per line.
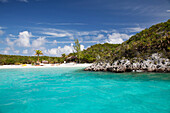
<point x="87" y="56"/>
<point x="16" y="59"/>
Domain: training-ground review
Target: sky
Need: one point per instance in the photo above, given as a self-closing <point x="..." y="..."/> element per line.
<point x="53" y="25"/>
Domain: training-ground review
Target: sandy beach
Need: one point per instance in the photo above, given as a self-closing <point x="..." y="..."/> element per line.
<point x="45" y="65"/>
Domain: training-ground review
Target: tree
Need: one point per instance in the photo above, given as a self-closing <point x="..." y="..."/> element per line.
<point x="64" y="55"/>
<point x="55" y="60"/>
<point x="77" y="48"/>
<point x="38" y="53"/>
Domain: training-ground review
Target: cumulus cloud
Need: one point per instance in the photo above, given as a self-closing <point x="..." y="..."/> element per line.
<point x="38" y="42"/>
<point x="25" y="51"/>
<point x="24" y="39"/>
<point x="58" y="51"/>
<point x="116" y="38"/>
<point x="99" y="37"/>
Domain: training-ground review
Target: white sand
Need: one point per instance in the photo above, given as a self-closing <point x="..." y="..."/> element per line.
<point x="45" y="65"/>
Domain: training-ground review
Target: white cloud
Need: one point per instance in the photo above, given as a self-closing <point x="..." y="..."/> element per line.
<point x="16" y="51"/>
<point x="38" y="42"/>
<point x="168" y="11"/>
<point x="83" y="33"/>
<point x="135" y="29"/>
<point x="5" y="52"/>
<point x="63" y="23"/>
<point x="116" y="38"/>
<point x="82" y="47"/>
<point x="71" y="38"/>
<point x="11" y="35"/>
<point x="57" y="34"/>
<point x="89" y="41"/>
<point x="1" y="32"/>
<point x="9" y="42"/>
<point x="65" y="42"/>
<point x="55" y="41"/>
<point x="24" y="39"/>
<point x="99" y="37"/>
<point x="58" y="51"/>
<point x="25" y="51"/>
<point x="105" y="31"/>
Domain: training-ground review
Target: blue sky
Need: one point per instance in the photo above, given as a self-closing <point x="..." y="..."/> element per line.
<point x="52" y="25"/>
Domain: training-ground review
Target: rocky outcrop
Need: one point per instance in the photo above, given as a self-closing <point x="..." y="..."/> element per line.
<point x="154" y="63"/>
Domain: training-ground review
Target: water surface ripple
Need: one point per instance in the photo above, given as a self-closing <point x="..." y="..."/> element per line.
<point x="72" y="90"/>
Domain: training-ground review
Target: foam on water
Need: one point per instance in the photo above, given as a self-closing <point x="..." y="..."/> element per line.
<point x="72" y="90"/>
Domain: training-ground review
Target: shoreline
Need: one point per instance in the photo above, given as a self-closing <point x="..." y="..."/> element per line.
<point x="154" y="63"/>
<point x="45" y="66"/>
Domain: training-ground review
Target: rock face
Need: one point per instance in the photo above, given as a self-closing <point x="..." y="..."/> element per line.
<point x="154" y="63"/>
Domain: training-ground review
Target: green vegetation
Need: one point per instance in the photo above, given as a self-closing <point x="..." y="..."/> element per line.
<point x="38" y="53"/>
<point x="16" y="59"/>
<point x="89" y="55"/>
<point x="77" y="48"/>
<point x="98" y="52"/>
<point x="155" y="39"/>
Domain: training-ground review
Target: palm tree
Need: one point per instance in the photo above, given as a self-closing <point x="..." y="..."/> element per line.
<point x="38" y="53"/>
<point x="64" y="55"/>
<point x="77" y="48"/>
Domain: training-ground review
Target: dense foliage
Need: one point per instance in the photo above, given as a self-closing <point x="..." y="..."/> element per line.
<point x="98" y="51"/>
<point x="16" y="59"/>
<point x="156" y="39"/>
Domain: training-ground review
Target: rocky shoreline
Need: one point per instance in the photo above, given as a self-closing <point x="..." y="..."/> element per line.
<point x="154" y="63"/>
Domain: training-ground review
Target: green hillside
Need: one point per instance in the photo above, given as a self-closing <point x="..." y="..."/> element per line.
<point x="155" y="39"/>
<point x="98" y="51"/>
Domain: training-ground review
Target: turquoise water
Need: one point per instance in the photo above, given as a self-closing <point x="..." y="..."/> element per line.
<point x="72" y="90"/>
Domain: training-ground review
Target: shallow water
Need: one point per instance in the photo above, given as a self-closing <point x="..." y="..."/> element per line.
<point x="72" y="90"/>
